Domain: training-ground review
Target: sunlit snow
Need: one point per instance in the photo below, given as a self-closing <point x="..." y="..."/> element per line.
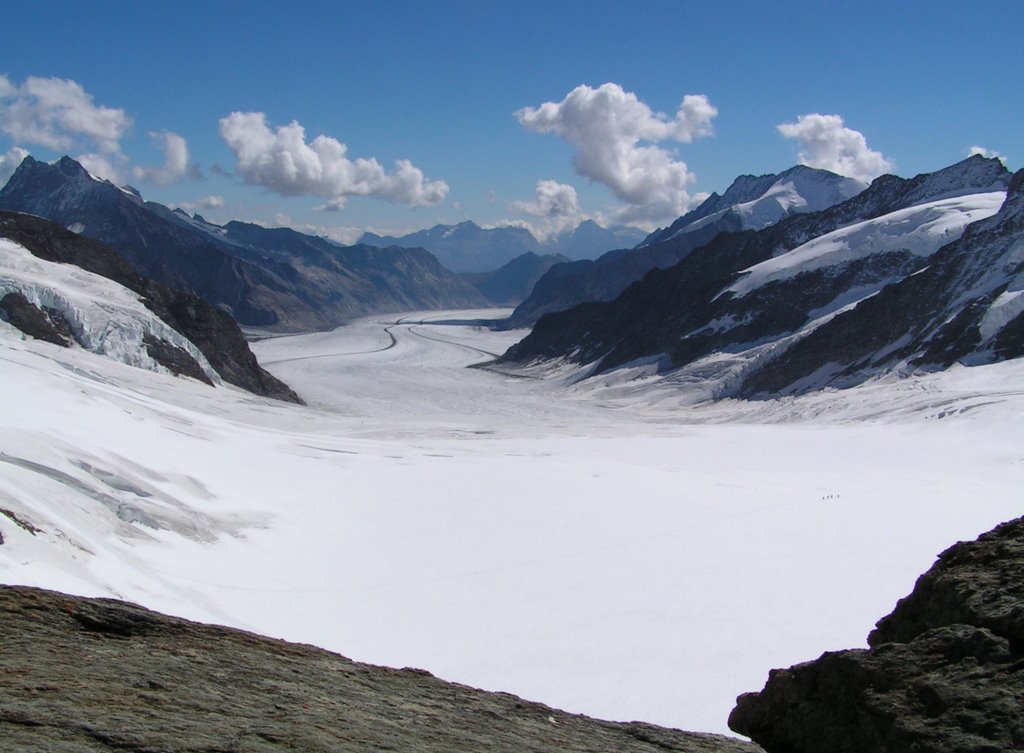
<point x="920" y="230"/>
<point x="599" y="547"/>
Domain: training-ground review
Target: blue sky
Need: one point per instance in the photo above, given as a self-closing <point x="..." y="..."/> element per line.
<point x="455" y="90"/>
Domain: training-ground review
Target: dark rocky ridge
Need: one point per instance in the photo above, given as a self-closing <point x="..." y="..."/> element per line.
<point x="271" y="278"/>
<point x="932" y="319"/>
<point x="609" y="275"/>
<point x="944" y="671"/>
<point x="80" y="675"/>
<point x="686" y="311"/>
<point x="210" y="329"/>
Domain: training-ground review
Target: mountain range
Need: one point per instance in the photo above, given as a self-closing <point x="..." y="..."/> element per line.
<point x="66" y="289"/>
<point x="750" y="203"/>
<point x="270" y="278"/>
<point x="783" y="284"/>
<point x="467" y="247"/>
<point x="906" y="275"/>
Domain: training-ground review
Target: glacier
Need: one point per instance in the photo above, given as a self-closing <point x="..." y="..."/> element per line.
<point x="605" y="550"/>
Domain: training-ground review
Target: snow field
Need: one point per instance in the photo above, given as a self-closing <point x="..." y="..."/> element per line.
<point x="603" y="551"/>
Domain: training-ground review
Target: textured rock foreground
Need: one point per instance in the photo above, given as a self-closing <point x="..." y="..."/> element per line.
<point x="82" y="674"/>
<point x="945" y="671"/>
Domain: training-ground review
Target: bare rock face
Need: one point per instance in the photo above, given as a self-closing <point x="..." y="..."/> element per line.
<point x="41" y="323"/>
<point x="87" y="675"/>
<point x="945" y="671"/>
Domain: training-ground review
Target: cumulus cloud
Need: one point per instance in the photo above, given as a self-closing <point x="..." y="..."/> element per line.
<point x="176" y="165"/>
<point x="986" y="153"/>
<point x="57" y="114"/>
<point x="9" y="162"/>
<point x="282" y="161"/>
<point x="827" y="144"/>
<point x="553" y="199"/>
<point x="105" y="167"/>
<point x="555" y="205"/>
<point x="616" y="138"/>
<point x="207" y="202"/>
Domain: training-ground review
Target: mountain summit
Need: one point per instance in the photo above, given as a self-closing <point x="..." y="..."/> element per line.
<point x="750" y="203"/>
<point x="267" y="277"/>
<point x="909" y="274"/>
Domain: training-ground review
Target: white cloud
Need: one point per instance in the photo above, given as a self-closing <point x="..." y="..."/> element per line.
<point x="555" y="205"/>
<point x="175" y="167"/>
<point x="58" y="113"/>
<point x="827" y="144"/>
<point x="607" y="126"/>
<point x="553" y="199"/>
<point x="9" y="162"/>
<point x="207" y="202"/>
<point x="282" y="161"/>
<point x="104" y="167"/>
<point x="986" y="153"/>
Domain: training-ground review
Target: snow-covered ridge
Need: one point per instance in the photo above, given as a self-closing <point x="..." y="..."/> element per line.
<point x="797" y="190"/>
<point x="921" y="230"/>
<point x="106" y="318"/>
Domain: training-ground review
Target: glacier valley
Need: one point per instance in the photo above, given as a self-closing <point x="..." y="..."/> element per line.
<point x="601" y="545"/>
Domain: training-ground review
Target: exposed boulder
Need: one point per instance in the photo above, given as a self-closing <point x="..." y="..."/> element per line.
<point x="86" y="675"/>
<point x="945" y="671"/>
<point x="42" y="323"/>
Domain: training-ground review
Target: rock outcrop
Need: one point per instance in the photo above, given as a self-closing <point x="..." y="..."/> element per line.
<point x="944" y="671"/>
<point x="85" y="675"/>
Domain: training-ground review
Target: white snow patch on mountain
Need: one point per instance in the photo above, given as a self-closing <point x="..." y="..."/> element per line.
<point x="796" y="191"/>
<point x="920" y="230"/>
<point x="105" y="317"/>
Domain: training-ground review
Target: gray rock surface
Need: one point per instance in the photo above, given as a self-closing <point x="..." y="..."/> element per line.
<point x="945" y="671"/>
<point x="81" y="675"/>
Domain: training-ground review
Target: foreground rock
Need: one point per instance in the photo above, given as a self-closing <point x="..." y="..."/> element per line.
<point x="82" y="674"/>
<point x="945" y="671"/>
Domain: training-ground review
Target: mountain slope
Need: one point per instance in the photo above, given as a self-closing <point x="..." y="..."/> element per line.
<point x="465" y="247"/>
<point x="744" y="298"/>
<point x="965" y="306"/>
<point x="750" y="203"/>
<point x="109" y="309"/>
<point x="268" y="279"/>
<point x="513" y="282"/>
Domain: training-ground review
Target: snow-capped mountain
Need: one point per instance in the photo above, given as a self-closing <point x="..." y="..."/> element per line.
<point x="811" y="300"/>
<point x="750" y="203"/>
<point x="771" y="197"/>
<point x="72" y="291"/>
<point x="268" y="278"/>
<point x="469" y="248"/>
